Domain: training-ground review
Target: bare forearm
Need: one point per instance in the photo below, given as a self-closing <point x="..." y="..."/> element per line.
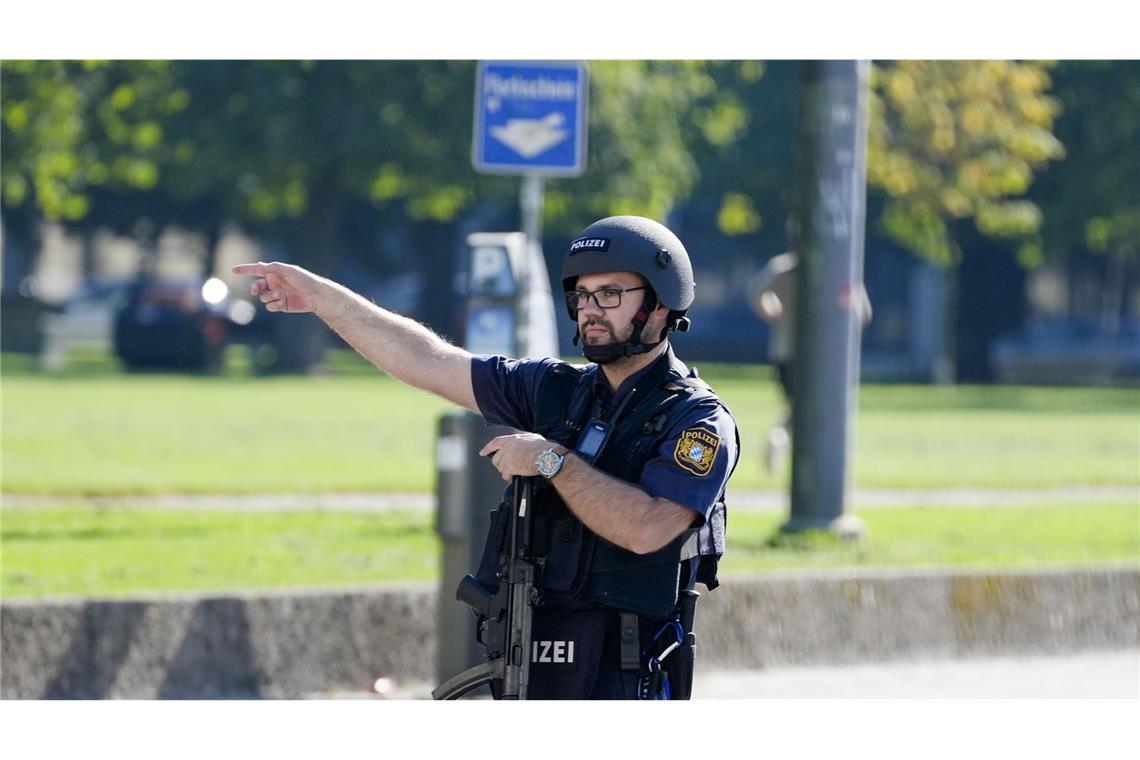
<point x="618" y="511"/>
<point x="400" y="346"/>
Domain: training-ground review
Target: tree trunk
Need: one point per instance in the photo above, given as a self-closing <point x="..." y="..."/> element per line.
<point x="87" y="255"/>
<point x="439" y="307"/>
<point x="213" y="236"/>
<point x="22" y="247"/>
<point x="301" y="340"/>
<point x="1113" y="293"/>
<point x="989" y="301"/>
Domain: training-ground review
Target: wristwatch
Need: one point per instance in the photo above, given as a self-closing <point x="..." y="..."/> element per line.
<point x="549" y="463"/>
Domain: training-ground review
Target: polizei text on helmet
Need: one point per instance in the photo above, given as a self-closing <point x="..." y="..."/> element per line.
<point x="589" y="244"/>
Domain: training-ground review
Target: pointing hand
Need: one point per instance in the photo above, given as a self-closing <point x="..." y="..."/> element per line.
<point x="282" y="287"/>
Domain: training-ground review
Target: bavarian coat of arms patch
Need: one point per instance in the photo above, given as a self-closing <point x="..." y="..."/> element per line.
<point x="696" y="450"/>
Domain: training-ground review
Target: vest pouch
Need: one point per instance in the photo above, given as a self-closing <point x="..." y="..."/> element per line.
<point x="711" y="543"/>
<point x="563" y="562"/>
<point x="643" y="583"/>
<point x="566" y="547"/>
<point x="494" y="547"/>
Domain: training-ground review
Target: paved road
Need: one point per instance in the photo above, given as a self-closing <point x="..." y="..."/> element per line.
<point x="1101" y="674"/>
<point x="1085" y="675"/>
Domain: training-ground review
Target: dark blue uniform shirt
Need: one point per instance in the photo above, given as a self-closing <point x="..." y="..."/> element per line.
<point x="506" y="389"/>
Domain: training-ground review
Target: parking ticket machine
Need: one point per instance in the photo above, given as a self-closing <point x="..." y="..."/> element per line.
<point x="510" y="309"/>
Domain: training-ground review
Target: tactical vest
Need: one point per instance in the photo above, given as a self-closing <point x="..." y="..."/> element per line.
<point x="579" y="569"/>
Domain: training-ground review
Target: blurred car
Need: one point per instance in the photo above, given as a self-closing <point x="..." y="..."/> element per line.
<point x="180" y="325"/>
<point x="1068" y="352"/>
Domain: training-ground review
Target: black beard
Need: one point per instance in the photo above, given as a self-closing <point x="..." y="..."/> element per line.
<point x="608" y="353"/>
<point x="612" y="334"/>
<point x="601" y="353"/>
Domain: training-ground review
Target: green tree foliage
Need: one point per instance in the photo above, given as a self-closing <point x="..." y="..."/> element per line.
<point x="742" y="138"/>
<point x="647" y="120"/>
<point x="285" y="146"/>
<point x="957" y="140"/>
<point x="1090" y="200"/>
<point x="745" y="143"/>
<point x="278" y="139"/>
<point x="949" y="141"/>
<point x="69" y="127"/>
<point x="271" y="138"/>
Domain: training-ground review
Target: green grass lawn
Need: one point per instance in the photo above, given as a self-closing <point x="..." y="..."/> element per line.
<point x="965" y="436"/>
<point x="94" y="431"/>
<point x="157" y="434"/>
<point x="81" y="550"/>
<point x="1055" y="535"/>
<point x="91" y="551"/>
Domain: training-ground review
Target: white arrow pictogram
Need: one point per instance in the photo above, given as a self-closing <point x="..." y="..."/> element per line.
<point x="529" y="137"/>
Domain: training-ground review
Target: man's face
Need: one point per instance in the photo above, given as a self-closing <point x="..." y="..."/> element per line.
<point x="602" y="326"/>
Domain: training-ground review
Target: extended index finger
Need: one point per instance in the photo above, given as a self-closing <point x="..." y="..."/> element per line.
<point x="260" y="268"/>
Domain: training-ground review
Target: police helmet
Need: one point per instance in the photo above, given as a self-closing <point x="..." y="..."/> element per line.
<point x="634" y="244"/>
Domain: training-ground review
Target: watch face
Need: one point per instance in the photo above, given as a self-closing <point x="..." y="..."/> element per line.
<point x="548" y="463"/>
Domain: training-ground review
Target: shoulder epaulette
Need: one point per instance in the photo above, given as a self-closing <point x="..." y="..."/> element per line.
<point x="688" y="385"/>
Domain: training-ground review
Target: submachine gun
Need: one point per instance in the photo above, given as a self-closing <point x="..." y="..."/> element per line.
<point x="504" y="616"/>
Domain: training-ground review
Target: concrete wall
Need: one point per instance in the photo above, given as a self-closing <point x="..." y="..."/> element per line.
<point x="284" y="645"/>
<point x="842" y="617"/>
<point x="269" y="645"/>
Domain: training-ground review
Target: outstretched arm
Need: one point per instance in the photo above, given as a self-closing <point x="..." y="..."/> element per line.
<point x="400" y="346"/>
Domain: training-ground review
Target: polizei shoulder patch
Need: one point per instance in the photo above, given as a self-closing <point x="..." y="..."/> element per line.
<point x="696" y="450"/>
<point x="589" y="244"/>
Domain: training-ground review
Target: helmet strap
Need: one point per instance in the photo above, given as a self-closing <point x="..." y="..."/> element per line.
<point x="632" y="347"/>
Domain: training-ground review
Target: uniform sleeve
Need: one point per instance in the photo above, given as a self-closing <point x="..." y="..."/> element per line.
<point x="505" y="389"/>
<point x="694" y="462"/>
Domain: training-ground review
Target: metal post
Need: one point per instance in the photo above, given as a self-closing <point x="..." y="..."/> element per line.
<point x="830" y="211"/>
<point x="530" y="201"/>
<point x="467" y="489"/>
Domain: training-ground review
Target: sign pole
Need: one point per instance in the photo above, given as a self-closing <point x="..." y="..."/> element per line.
<point x="530" y="202"/>
<point x="530" y="122"/>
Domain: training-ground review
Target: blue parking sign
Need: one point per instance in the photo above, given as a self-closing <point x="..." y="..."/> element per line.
<point x="530" y="118"/>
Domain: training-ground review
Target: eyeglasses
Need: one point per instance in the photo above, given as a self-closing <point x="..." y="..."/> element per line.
<point x="605" y="298"/>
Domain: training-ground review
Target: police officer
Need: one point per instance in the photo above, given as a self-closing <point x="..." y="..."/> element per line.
<point x="631" y="454"/>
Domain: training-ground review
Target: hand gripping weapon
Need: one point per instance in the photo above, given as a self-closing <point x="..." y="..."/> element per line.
<point x="505" y="616"/>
